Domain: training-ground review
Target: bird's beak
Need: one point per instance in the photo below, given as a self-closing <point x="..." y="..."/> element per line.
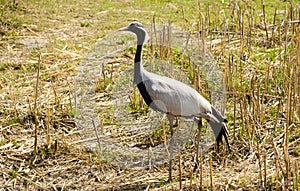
<point x="123" y="29"/>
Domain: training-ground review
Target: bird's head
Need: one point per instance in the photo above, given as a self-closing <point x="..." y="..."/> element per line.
<point x="139" y="30"/>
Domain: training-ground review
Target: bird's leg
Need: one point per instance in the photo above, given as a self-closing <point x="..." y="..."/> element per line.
<point x="199" y="123"/>
<point x="171" y="119"/>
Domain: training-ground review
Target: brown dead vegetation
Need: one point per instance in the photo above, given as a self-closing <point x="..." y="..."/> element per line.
<point x="260" y="59"/>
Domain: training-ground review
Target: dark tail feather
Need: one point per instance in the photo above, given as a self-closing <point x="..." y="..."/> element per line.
<point x="219" y="128"/>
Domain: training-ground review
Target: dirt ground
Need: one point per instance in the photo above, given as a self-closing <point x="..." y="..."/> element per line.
<point x="42" y="43"/>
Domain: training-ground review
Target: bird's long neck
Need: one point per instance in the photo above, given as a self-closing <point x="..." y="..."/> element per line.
<point x="142" y="37"/>
<point x="138" y="67"/>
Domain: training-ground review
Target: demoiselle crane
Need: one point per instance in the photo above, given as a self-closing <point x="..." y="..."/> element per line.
<point x="173" y="97"/>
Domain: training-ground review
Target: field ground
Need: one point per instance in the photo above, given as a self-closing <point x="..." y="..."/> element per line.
<point x="255" y="43"/>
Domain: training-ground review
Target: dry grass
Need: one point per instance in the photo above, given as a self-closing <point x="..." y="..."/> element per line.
<point x="256" y="45"/>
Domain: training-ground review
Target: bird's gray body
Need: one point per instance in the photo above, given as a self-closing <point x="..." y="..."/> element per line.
<point x="173" y="97"/>
<point x="185" y="100"/>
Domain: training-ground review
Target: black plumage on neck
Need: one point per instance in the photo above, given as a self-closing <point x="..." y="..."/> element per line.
<point x="141" y="85"/>
<point x="138" y="54"/>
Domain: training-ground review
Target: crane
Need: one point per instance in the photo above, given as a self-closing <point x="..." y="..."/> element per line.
<point x="173" y="97"/>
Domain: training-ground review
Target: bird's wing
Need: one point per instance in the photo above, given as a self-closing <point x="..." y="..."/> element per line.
<point x="174" y="97"/>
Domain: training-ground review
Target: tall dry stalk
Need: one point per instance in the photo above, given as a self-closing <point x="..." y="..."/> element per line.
<point x="296" y="175"/>
<point x="265" y="170"/>
<point x="191" y="179"/>
<point x="180" y="172"/>
<point x="35" y="150"/>
<point x="264" y="18"/>
<point x="201" y="169"/>
<point x="259" y="164"/>
<point x="48" y="133"/>
<point x="210" y="173"/>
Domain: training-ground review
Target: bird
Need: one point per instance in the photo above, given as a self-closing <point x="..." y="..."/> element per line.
<point x="174" y="98"/>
